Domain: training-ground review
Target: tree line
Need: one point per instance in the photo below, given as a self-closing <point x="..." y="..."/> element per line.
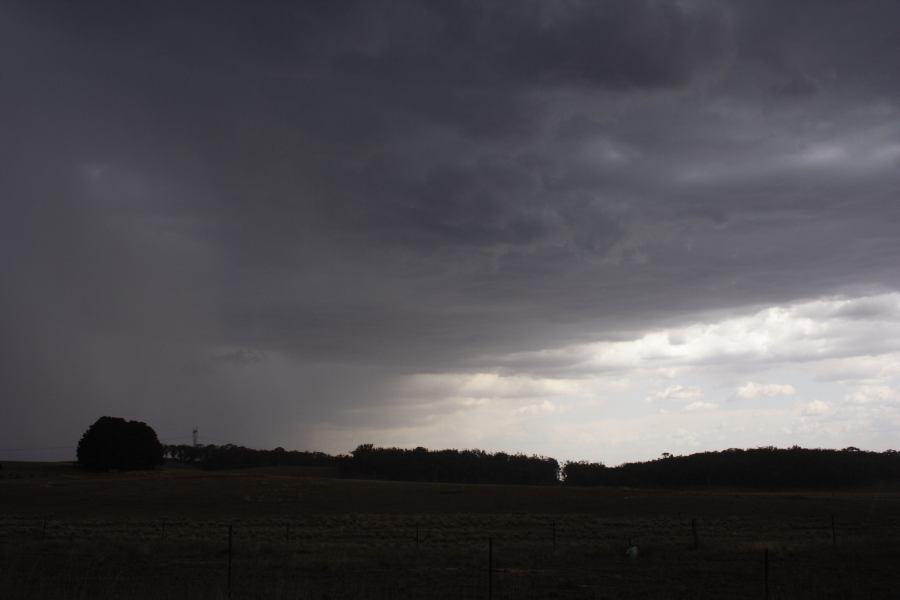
<point x="367" y="461"/>
<point x="457" y="466"/>
<point x="230" y="456"/>
<point x="766" y="467"/>
<point x="116" y="444"/>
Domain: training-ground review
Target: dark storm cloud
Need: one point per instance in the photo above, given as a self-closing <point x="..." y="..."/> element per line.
<point x="414" y="186"/>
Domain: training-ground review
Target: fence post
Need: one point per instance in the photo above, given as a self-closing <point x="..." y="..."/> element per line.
<point x="554" y="534"/>
<point x="490" y="568"/>
<point x="694" y="532"/>
<point x="766" y="572"/>
<point x="230" y="545"/>
<point x="833" y="534"/>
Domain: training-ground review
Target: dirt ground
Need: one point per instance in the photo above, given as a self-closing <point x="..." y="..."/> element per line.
<point x="165" y="534"/>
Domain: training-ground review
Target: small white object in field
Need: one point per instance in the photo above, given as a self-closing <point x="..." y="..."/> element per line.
<point x="632" y="552"/>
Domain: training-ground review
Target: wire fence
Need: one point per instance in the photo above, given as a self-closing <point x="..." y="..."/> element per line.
<point x="449" y="556"/>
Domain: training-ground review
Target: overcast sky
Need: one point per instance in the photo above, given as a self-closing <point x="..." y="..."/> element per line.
<point x="593" y="230"/>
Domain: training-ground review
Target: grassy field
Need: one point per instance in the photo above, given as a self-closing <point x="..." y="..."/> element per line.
<point x="165" y="534"/>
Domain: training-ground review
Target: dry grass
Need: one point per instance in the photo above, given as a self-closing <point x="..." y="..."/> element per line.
<point x="68" y="535"/>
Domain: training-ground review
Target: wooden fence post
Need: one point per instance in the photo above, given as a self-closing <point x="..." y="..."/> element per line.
<point x="490" y="568"/>
<point x="833" y="534"/>
<point x="230" y="546"/>
<point x="554" y="534"/>
<point x="694" y="532"/>
<point x="766" y="572"/>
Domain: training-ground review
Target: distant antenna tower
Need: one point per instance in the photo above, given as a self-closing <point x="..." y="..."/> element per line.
<point x="195" y="433"/>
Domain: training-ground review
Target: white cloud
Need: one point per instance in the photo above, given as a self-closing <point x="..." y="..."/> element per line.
<point x="751" y="390"/>
<point x="869" y="368"/>
<point x="676" y="392"/>
<point x="591" y="400"/>
<point x="826" y="329"/>
<point x="816" y="408"/>
<point x="544" y="408"/>
<point x="485" y="385"/>
<point x="699" y="405"/>
<point x="873" y="394"/>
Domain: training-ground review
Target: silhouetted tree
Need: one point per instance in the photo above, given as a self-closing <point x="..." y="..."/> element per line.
<point x="584" y="473"/>
<point x="114" y="443"/>
<point x="183" y="453"/>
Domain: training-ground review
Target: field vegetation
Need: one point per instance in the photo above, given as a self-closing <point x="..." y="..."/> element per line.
<point x="67" y="534"/>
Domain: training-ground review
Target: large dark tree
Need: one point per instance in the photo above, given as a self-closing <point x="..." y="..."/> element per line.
<point x="114" y="443"/>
